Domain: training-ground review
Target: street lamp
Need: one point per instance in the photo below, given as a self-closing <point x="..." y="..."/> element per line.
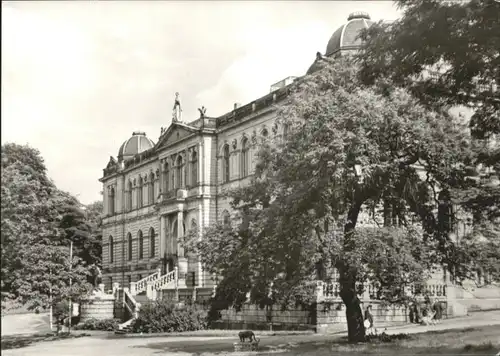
<point x="70" y="283"/>
<point x="70" y="306"/>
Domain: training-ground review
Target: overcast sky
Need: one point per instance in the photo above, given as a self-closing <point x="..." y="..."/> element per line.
<point x="79" y="77"/>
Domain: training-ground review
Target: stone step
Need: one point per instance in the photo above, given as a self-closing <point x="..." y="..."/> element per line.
<point x="125" y="330"/>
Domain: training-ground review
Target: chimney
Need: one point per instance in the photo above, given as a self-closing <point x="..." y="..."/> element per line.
<point x="236" y="105"/>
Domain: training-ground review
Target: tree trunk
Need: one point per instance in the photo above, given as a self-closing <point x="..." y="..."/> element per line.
<point x="354" y="315"/>
<point x="348" y="277"/>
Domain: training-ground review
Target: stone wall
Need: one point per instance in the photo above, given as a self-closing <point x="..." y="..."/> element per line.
<point x="99" y="305"/>
<point x="323" y="317"/>
<point x="255" y="318"/>
<point x="187" y="294"/>
<point x="331" y="315"/>
<point x="97" y="309"/>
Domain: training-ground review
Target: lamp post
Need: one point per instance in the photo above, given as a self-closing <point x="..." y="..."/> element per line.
<point x="70" y="283"/>
<point x="70" y="306"/>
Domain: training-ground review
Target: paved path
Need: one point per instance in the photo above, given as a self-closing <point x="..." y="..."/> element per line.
<point x="476" y="319"/>
<point x="29" y="323"/>
<point x="184" y="345"/>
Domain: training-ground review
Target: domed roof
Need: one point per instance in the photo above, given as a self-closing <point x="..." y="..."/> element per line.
<point x="346" y="36"/>
<point x="135" y="144"/>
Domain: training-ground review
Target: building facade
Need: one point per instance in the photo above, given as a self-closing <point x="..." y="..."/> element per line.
<point x="155" y="193"/>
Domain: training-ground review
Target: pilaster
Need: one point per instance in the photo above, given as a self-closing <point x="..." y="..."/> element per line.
<point x="163" y="239"/>
<point x="182" y="260"/>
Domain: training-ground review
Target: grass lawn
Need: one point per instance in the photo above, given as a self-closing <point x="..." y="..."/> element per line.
<point x="20" y="341"/>
<point x="471" y="341"/>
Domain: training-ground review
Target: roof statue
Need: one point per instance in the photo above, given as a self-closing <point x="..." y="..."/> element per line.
<point x="202" y="111"/>
<point x="177" y="110"/>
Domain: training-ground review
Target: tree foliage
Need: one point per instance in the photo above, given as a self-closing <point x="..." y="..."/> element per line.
<point x="352" y="152"/>
<point x="37" y="223"/>
<point x="447" y="54"/>
<point x="457" y="42"/>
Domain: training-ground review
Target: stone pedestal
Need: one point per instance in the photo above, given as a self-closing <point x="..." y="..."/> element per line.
<point x="97" y="306"/>
<point x="246" y="346"/>
<point x="183" y="267"/>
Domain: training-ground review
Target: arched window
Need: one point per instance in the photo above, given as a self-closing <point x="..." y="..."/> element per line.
<point x="225" y="164"/>
<point x="129" y="241"/>
<point x="141" y="244"/>
<point x="244" y="160"/>
<point x="112" y="201"/>
<point x="226" y="218"/>
<point x="194" y="169"/>
<point x="151" y="188"/>
<point x="285" y="131"/>
<point x="152" y="242"/>
<point x="166" y="177"/>
<point x="179" y="172"/>
<point x="139" y="193"/>
<point x="111" y="249"/>
<point x="129" y="196"/>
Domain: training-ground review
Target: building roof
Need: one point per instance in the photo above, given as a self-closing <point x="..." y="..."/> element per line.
<point x="346" y="36"/>
<point x="135" y="144"/>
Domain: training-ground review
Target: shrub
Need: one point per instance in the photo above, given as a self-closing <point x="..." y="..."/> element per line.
<point x="168" y="317"/>
<point x="98" y="324"/>
<point x="383" y="337"/>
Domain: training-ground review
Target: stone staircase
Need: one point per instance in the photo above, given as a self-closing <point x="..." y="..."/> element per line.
<point x="145" y="291"/>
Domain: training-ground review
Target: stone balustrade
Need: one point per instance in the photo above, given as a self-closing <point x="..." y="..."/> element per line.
<point x="369" y="290"/>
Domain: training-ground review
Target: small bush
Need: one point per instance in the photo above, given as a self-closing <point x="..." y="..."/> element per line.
<point x="168" y="317"/>
<point x="383" y="337"/>
<point x="481" y="347"/>
<point x="97" y="324"/>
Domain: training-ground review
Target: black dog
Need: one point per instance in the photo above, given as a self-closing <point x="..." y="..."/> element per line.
<point x="247" y="335"/>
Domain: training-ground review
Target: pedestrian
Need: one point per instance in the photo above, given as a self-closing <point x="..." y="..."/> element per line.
<point x="418" y="313"/>
<point x="428" y="312"/>
<point x="438" y="311"/>
<point x="411" y="313"/>
<point x="414" y="313"/>
<point x="369" y="321"/>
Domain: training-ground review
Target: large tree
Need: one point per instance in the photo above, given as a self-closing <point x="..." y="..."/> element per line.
<point x="351" y="151"/>
<point x="93" y="248"/>
<point x="447" y="54"/>
<point x="36" y="226"/>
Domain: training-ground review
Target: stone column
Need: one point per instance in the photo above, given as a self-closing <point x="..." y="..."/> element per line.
<point x="119" y="193"/>
<point x="162" y="177"/>
<point x="105" y="200"/>
<point x="201" y="225"/>
<point x="182" y="260"/>
<point x="163" y="230"/>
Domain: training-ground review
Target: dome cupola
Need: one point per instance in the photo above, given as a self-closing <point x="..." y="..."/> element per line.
<point x="346" y="36"/>
<point x="344" y="39"/>
<point x="136" y="144"/>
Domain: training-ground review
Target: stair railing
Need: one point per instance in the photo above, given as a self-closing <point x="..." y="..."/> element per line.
<point x="130" y="303"/>
<point x="166" y="279"/>
<point x="141" y="285"/>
